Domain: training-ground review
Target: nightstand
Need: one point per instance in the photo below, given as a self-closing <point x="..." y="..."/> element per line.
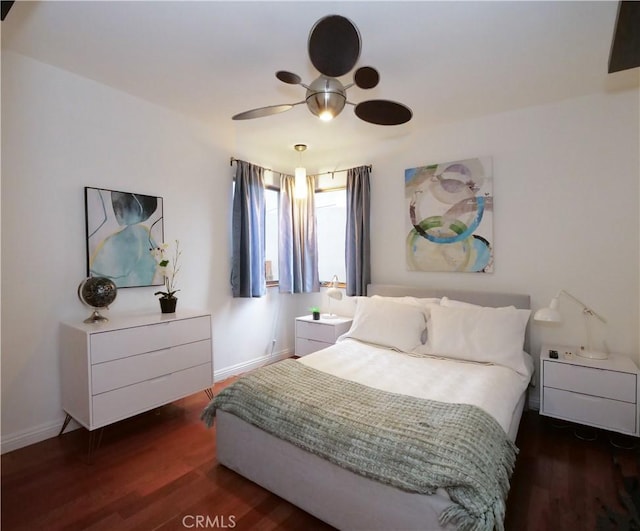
<point x="598" y="393"/>
<point x="315" y="335"/>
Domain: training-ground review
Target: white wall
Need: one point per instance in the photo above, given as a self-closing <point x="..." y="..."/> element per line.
<point x="566" y="187"/>
<point x="566" y="183"/>
<point x="61" y="132"/>
<point x="566" y="191"/>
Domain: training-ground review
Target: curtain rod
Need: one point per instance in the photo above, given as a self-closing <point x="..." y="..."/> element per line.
<point x="233" y="159"/>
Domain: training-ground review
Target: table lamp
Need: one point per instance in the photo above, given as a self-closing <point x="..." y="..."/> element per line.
<point x="551" y="314"/>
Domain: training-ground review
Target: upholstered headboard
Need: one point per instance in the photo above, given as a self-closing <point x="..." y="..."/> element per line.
<point x="482" y="298"/>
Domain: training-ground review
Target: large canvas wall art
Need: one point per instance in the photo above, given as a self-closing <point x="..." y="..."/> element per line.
<point x="122" y="228"/>
<point x="449" y="216"/>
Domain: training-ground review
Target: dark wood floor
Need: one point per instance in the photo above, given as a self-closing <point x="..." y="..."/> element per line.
<point x="159" y="471"/>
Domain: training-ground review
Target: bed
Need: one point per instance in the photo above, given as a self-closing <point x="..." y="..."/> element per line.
<point x="398" y="363"/>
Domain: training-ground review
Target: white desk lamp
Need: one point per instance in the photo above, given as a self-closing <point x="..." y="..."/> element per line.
<point x="552" y="315"/>
<point x="333" y="292"/>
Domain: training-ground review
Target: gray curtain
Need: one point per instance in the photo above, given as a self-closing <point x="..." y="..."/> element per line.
<point x="248" y="232"/>
<point x="357" y="246"/>
<point x="298" y="247"/>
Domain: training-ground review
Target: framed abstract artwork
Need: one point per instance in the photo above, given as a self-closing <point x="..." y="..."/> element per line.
<point x="449" y="216"/>
<point x="121" y="230"/>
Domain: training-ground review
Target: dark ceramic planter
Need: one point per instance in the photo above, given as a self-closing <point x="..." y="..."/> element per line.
<point x="316" y="316"/>
<point x="168" y="305"/>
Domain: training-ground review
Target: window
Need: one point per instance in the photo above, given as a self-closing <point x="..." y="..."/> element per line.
<point x="272" y="200"/>
<point x="331" y="222"/>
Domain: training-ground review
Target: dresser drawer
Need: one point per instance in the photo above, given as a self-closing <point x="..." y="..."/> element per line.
<point x="115" y="344"/>
<point x="127" y="401"/>
<point x="133" y="369"/>
<point x="590" y="381"/>
<point x="591" y="410"/>
<point x="316" y="331"/>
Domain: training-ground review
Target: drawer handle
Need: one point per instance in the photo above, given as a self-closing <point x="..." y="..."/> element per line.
<point x="589" y="398"/>
<point x="159" y="351"/>
<point x="160" y="378"/>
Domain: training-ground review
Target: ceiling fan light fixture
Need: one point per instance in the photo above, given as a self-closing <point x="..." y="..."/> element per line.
<point x="326" y="97"/>
<point x="334" y="48"/>
<point x="326" y="115"/>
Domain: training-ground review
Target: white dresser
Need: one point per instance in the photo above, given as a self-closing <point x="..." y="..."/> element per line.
<point x="312" y="335"/>
<point x="599" y="393"/>
<point x="132" y="363"/>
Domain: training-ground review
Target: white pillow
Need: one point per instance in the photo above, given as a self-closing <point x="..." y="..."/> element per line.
<point x="482" y="334"/>
<point x="387" y="323"/>
<point x="425" y="303"/>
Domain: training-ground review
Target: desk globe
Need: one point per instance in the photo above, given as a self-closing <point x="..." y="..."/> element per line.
<point x="97" y="293"/>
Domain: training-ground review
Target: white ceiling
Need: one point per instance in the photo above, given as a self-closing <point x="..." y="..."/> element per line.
<point x="447" y="61"/>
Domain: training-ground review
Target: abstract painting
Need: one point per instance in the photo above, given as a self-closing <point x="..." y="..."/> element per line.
<point x="121" y="229"/>
<point x="449" y="216"/>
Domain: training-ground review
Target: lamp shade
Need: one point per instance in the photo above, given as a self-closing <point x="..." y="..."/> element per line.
<point x="549" y="314"/>
<point x="334" y="293"/>
<point x="300" y="183"/>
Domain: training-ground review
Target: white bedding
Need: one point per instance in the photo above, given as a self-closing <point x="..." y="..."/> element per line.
<point x="495" y="389"/>
<point x="350" y="501"/>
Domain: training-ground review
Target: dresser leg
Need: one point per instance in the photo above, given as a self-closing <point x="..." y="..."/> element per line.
<point x="95" y="438"/>
<point x="67" y="419"/>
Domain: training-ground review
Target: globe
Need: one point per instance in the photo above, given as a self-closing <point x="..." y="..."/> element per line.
<point x="97" y="292"/>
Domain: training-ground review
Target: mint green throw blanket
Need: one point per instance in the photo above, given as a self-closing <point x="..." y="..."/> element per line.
<point x="413" y="444"/>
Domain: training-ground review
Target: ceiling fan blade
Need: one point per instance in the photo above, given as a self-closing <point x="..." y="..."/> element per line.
<point x="366" y="77"/>
<point x="288" y="77"/>
<point x="5" y="9"/>
<point x="263" y="111"/>
<point x="334" y="45"/>
<point x="383" y="112"/>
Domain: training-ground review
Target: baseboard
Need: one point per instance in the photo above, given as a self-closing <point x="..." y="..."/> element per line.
<point x="239" y="368"/>
<point x="14" y="441"/>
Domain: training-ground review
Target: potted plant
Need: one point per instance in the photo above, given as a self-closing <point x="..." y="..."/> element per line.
<point x="316" y="313"/>
<point x="169" y="268"/>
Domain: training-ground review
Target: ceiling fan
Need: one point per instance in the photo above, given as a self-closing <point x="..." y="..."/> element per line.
<point x="334" y="49"/>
